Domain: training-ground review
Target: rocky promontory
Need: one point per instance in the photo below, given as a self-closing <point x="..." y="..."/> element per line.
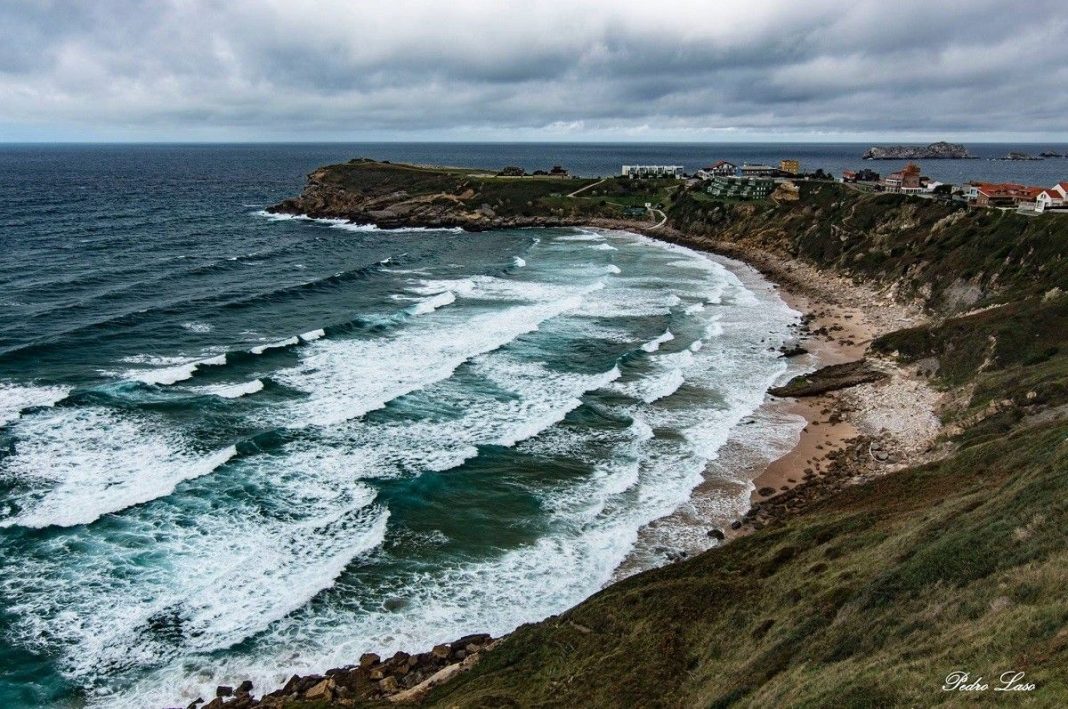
<point x="935" y="151"/>
<point x="398" y="195"/>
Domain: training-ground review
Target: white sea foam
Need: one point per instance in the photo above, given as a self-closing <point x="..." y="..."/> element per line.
<point x="288" y="342"/>
<point x="75" y="465"/>
<point x="346" y="225"/>
<point x="169" y="375"/>
<point x="603" y="247"/>
<point x="198" y="327"/>
<point x="344" y="379"/>
<point x="212" y="584"/>
<point x="234" y="391"/>
<point x="654" y="345"/>
<point x="582" y="236"/>
<point x="433" y="303"/>
<point x="172" y="373"/>
<point x="313" y="335"/>
<point x="14" y="398"/>
<point x="518" y="262"/>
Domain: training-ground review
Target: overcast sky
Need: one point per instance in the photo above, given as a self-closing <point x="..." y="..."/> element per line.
<point x="470" y="70"/>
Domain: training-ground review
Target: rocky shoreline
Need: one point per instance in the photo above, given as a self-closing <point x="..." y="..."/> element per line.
<point x="400" y="678"/>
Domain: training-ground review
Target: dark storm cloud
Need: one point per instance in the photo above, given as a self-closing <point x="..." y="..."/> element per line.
<point x="338" y="69"/>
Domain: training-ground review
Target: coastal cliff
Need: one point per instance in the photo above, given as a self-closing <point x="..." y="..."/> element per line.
<point x="393" y="195"/>
<point x="857" y="588"/>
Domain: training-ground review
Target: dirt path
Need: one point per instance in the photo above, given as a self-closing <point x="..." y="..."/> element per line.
<point x="583" y="189"/>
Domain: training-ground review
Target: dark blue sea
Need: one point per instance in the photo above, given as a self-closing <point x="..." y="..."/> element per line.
<point x="241" y="446"/>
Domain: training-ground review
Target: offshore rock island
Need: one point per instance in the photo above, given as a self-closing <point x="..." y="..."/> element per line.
<point x="935" y="151"/>
<point x="934" y="458"/>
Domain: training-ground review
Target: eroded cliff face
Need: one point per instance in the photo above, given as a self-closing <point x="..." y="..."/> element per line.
<point x="944" y="256"/>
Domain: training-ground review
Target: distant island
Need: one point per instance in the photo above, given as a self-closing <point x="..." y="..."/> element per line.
<point x="1019" y="156"/>
<point x="934" y="151"/>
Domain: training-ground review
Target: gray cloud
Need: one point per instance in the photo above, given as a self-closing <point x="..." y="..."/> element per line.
<point x="335" y="69"/>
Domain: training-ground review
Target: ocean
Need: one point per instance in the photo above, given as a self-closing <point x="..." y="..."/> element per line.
<point x="236" y="445"/>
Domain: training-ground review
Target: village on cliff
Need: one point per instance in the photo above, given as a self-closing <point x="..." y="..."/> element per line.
<point x="727" y="180"/>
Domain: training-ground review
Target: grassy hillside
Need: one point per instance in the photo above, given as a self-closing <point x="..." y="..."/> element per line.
<point x="949" y="256"/>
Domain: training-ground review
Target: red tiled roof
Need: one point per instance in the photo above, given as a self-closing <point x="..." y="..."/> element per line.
<point x="1006" y="189"/>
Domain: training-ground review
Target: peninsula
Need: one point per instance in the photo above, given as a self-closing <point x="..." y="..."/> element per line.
<point x="836" y="590"/>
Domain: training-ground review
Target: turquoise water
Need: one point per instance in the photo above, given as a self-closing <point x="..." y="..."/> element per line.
<point x="241" y="446"/>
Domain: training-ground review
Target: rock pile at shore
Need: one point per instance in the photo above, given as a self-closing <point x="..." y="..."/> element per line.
<point x="400" y="678"/>
<point x="831" y="378"/>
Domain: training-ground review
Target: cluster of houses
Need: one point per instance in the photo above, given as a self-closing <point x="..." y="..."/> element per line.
<point x="757" y="181"/>
<point x="908" y="180"/>
<point x="1023" y="197"/>
<point x="748" y="181"/>
<point x="723" y="168"/>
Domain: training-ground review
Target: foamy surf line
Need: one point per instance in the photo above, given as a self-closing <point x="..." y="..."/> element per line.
<point x="16" y="398"/>
<point x="108" y="484"/>
<point x="177" y="373"/>
<point x="346" y="224"/>
<point x="166" y="376"/>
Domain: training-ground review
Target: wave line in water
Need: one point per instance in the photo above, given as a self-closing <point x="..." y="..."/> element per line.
<point x="16" y="398"/>
<point x="76" y="465"/>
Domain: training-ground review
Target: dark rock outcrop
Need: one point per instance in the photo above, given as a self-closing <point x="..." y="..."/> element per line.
<point x="832" y="378"/>
<point x="402" y="676"/>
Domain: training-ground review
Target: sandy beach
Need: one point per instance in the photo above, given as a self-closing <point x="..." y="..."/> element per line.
<point x="842" y="437"/>
<point x="854" y="433"/>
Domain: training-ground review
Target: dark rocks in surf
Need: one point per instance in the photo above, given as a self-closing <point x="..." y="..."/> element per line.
<point x="403" y="676"/>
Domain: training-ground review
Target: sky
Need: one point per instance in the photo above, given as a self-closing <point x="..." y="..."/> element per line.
<point x="470" y="70"/>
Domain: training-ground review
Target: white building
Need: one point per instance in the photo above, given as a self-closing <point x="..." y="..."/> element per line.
<point x="1055" y="197"/>
<point x="1049" y="199"/>
<point x="652" y="171"/>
